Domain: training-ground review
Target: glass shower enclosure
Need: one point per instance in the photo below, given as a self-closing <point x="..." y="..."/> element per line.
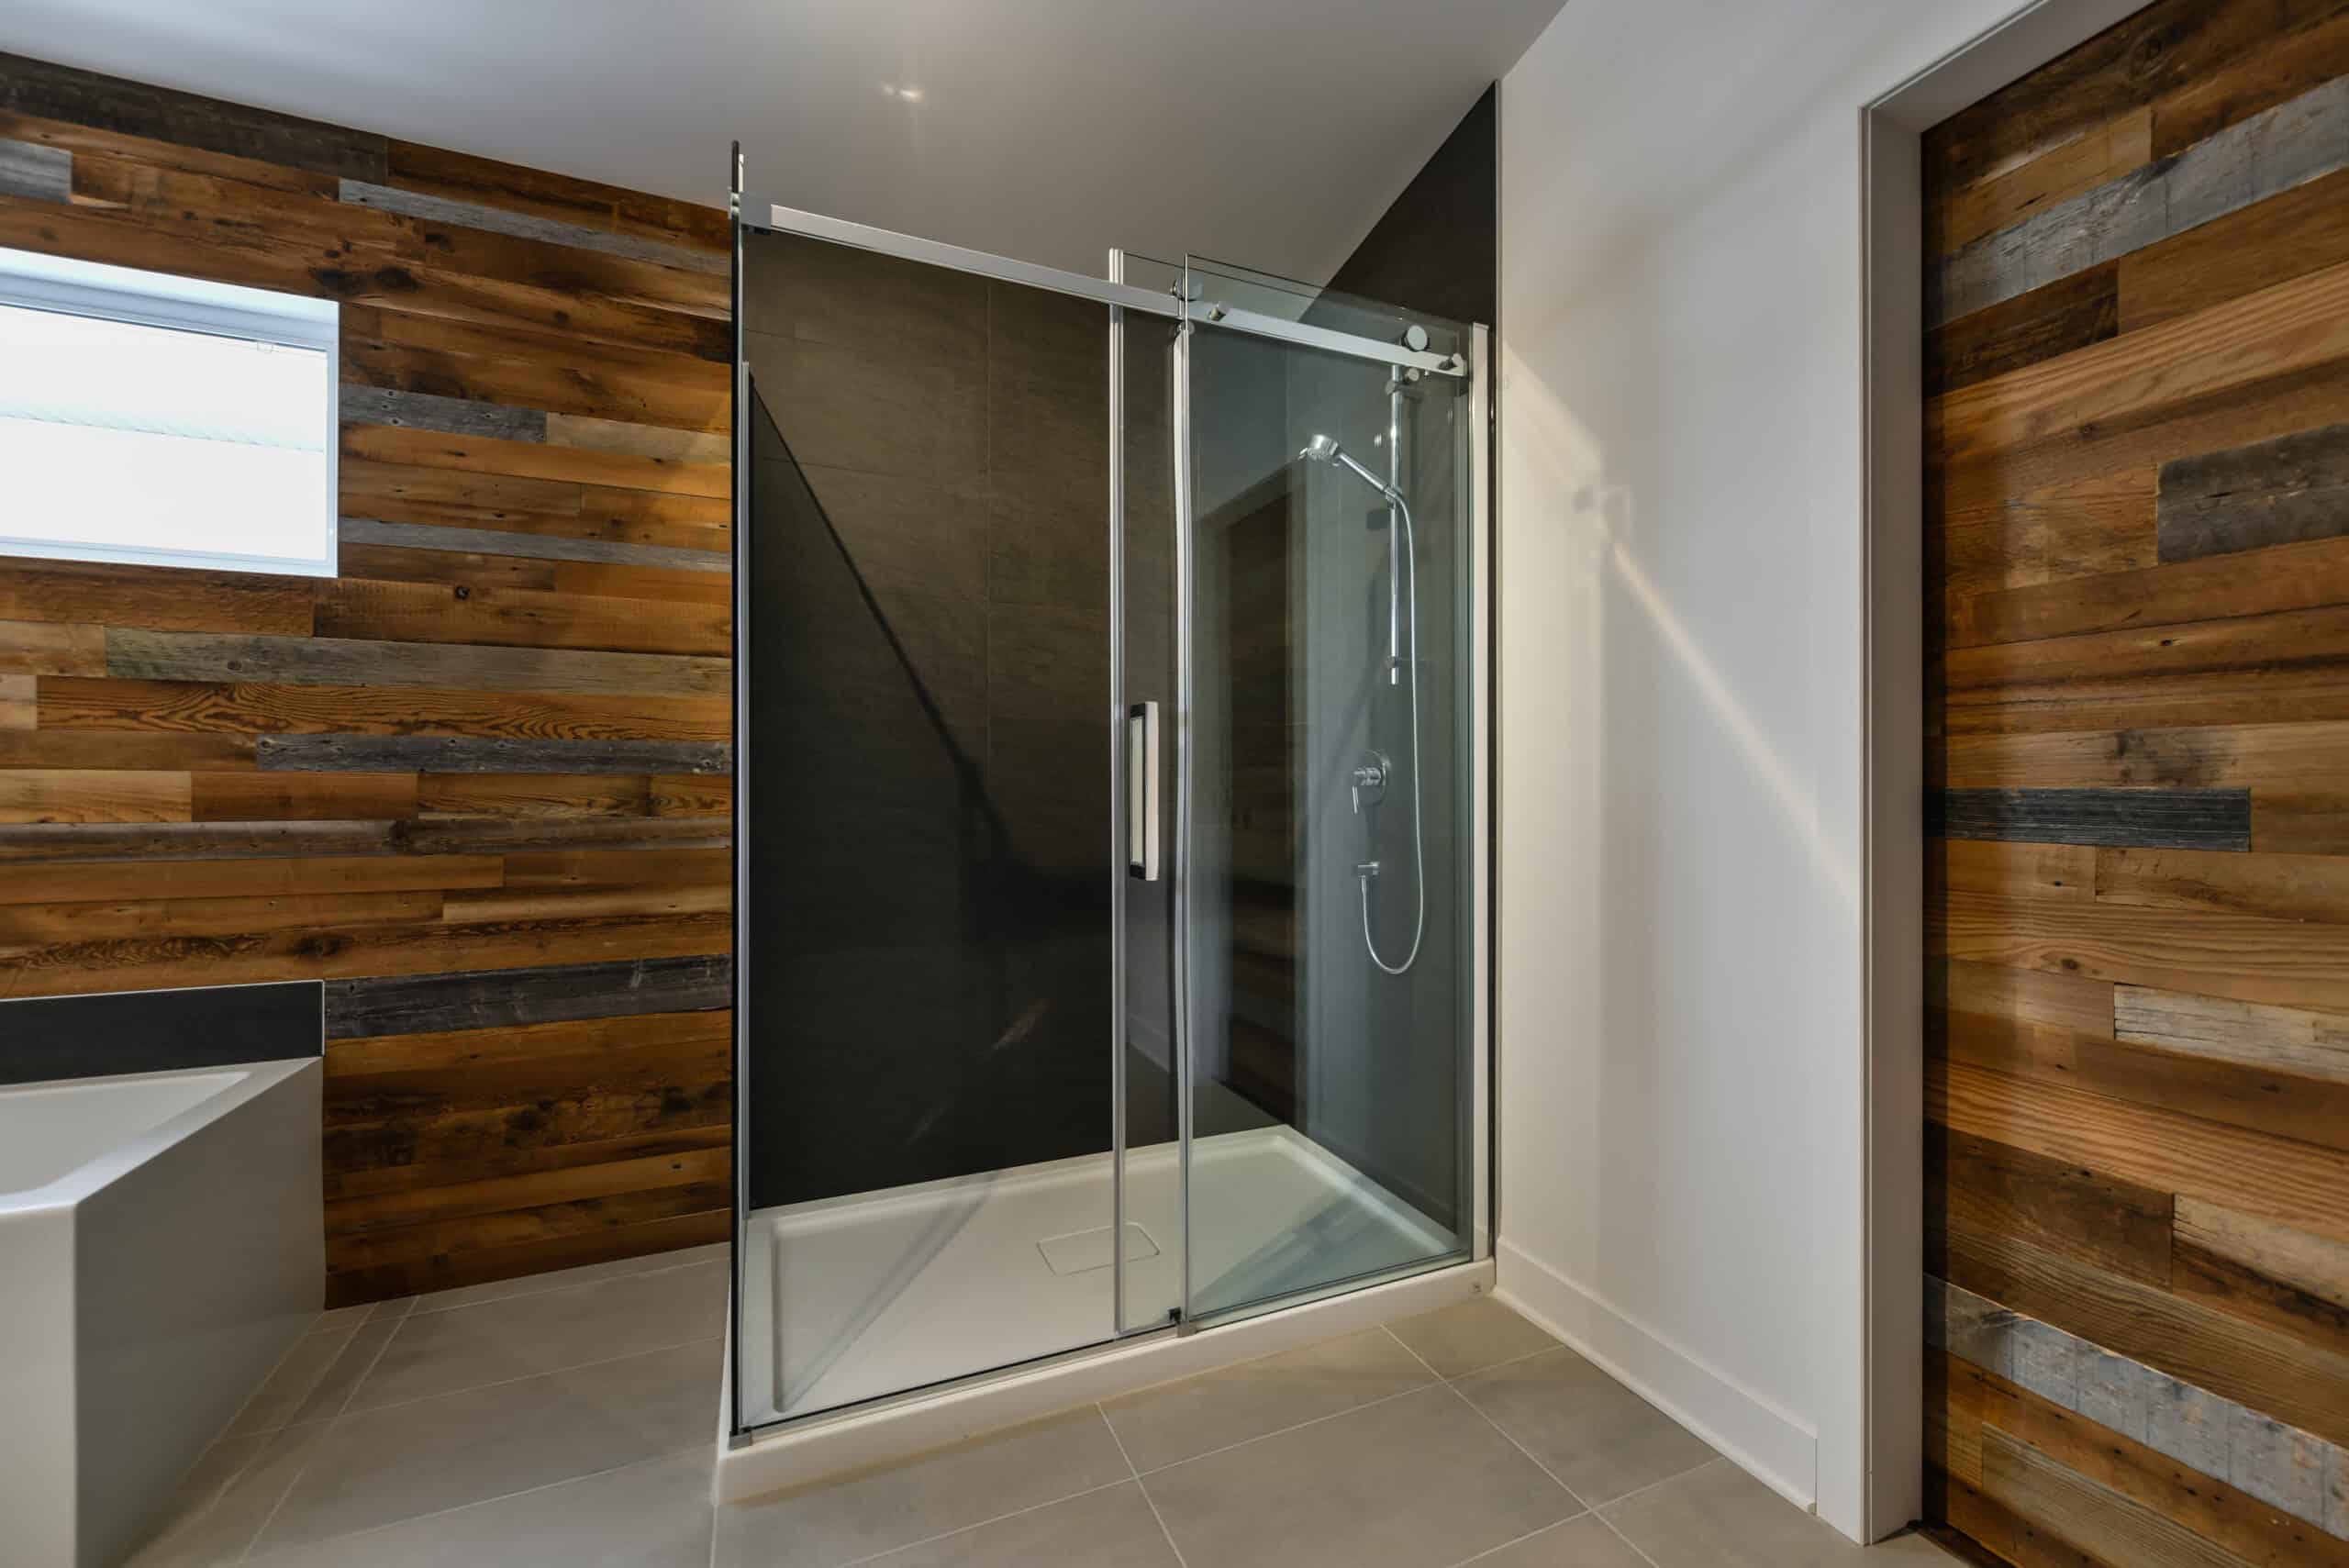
<point x="1111" y="908"/>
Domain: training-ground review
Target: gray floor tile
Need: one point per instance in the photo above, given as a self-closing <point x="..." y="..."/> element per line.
<point x="1584" y="1542"/>
<point x="521" y="1336"/>
<point x="1590" y="1432"/>
<point x="655" y="1515"/>
<point x="262" y="1469"/>
<point x="563" y="1279"/>
<point x="377" y="1467"/>
<point x="879" y="1510"/>
<point x="1721" y="1517"/>
<point x="1469" y="1335"/>
<point x="290" y="1384"/>
<point x="1113" y="1528"/>
<point x="1417" y="1480"/>
<point x="177" y="1536"/>
<point x="1182" y="1420"/>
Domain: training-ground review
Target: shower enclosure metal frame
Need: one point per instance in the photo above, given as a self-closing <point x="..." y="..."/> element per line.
<point x="1122" y="298"/>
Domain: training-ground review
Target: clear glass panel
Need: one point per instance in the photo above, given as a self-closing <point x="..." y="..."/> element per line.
<point x="927" y="1096"/>
<point x="1326" y="892"/>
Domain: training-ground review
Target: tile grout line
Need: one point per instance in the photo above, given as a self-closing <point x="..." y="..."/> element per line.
<point x="1151" y="1502"/>
<point x="1529" y="1535"/>
<point x="1283" y="1431"/>
<point x="508" y="1496"/>
<point x="521" y="1377"/>
<point x="1572" y="1495"/>
<point x="419" y="1309"/>
<point x="976" y="1524"/>
<point x="246" y="1551"/>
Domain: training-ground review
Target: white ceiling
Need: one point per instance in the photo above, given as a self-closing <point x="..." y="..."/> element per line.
<point x="1269" y="132"/>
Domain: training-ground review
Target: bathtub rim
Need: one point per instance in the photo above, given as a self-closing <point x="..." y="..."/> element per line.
<point x="110" y="1165"/>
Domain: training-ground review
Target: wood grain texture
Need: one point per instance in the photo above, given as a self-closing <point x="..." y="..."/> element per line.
<point x="2138" y="617"/>
<point x="2179" y="819"/>
<point x="208" y="777"/>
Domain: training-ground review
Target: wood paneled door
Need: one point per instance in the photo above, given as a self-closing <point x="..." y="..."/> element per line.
<point x="2137" y="440"/>
<point x="479" y="783"/>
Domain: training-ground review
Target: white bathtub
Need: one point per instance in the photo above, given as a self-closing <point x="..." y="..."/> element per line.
<point x="160" y="1246"/>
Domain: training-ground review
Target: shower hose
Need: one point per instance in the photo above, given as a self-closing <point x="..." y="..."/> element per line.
<point x="1419" y="853"/>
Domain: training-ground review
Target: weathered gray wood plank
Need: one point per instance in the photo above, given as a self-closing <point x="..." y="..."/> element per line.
<point x="2271" y="1039"/>
<point x="471" y="214"/>
<point x="2132" y="819"/>
<point x="2204" y="1432"/>
<point x="429" y="411"/>
<point x="501" y="998"/>
<point x="536" y="547"/>
<point x="2280" y="491"/>
<point x="133" y="654"/>
<point x="109" y="103"/>
<point x="28" y="169"/>
<point x="58" y="843"/>
<point x="2247" y="163"/>
<point x="436" y="755"/>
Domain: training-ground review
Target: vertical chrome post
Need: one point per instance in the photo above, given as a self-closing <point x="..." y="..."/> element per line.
<point x="741" y="564"/>
<point x="1485" y="1069"/>
<point x="1119" y="828"/>
<point x="1185" y="750"/>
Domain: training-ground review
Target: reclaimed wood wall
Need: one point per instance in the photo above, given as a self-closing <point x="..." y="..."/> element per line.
<point x="2138" y="907"/>
<point x="479" y="783"/>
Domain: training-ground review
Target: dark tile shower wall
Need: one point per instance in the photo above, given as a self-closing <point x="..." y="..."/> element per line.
<point x="929" y="671"/>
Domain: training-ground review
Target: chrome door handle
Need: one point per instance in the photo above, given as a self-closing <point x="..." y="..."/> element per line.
<point x="1142" y="791"/>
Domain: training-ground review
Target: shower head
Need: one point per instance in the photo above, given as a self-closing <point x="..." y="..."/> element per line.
<point x="1323" y="448"/>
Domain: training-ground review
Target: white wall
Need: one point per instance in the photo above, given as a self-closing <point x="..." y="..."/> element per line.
<point x="1681" y="599"/>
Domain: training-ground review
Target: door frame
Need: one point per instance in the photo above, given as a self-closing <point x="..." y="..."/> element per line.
<point x="1891" y="1422"/>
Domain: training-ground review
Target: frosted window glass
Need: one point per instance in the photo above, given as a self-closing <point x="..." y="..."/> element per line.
<point x="120" y="440"/>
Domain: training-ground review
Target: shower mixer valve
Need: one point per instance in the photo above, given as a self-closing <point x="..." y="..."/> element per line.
<point x="1370" y="777"/>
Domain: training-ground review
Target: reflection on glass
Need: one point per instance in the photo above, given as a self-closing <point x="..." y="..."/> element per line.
<point x="1327" y="880"/>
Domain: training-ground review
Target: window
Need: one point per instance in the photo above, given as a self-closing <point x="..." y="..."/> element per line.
<point x="164" y="420"/>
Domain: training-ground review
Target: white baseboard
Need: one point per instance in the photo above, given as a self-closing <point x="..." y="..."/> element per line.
<point x="1769" y="1442"/>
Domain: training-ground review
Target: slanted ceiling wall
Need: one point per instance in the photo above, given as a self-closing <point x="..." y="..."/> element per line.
<point x="479" y="783"/>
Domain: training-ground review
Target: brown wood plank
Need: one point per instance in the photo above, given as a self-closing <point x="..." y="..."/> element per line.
<point x="2296" y="577"/>
<point x="2236" y="1360"/>
<point x="533" y="460"/>
<point x="2083" y="530"/>
<point x="637" y="441"/>
<point x="2294" y="1040"/>
<point x="45" y="795"/>
<point x="373" y="1213"/>
<point x="685" y="795"/>
<point x="1978" y="1184"/>
<point x="448" y="1049"/>
<point x="319" y="876"/>
<point x="533" y="795"/>
<point x="76" y="593"/>
<point x="2296" y="1183"/>
<point x="2269" y="1273"/>
<point x="413" y="612"/>
<point x="1965" y="213"/>
<point x="2288" y="887"/>
<point x="434" y="1244"/>
<point x="2230" y="1521"/>
<point x="2287" y="236"/>
<point x="2285" y="757"/>
<point x="462" y="177"/>
<point x="257" y="707"/>
<point x="333" y="952"/>
<point x="2039" y="324"/>
<point x="2151" y="54"/>
<point x="2218" y="954"/>
<point x="51" y="648"/>
<point x="135" y="655"/>
<point x="76" y="139"/>
<point x="26" y="927"/>
<point x="2021" y="870"/>
<point x="283" y="798"/>
<point x="85" y="97"/>
<point x="2295" y="62"/>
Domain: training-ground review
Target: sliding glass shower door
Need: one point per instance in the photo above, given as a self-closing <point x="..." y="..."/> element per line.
<point x="1107" y="959"/>
<point x="1324" y="869"/>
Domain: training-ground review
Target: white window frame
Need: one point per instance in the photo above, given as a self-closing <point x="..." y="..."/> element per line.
<point x="71" y="287"/>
